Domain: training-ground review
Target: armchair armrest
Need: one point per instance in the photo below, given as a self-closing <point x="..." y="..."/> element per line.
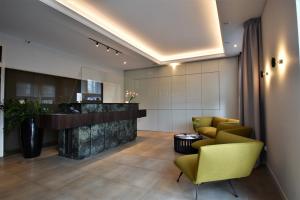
<point x="242" y="131"/>
<point x="201" y="143"/>
<point x="227" y="161"/>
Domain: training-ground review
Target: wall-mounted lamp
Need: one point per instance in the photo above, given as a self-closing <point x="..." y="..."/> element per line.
<point x="274" y="62"/>
<point x="174" y="65"/>
<point x="263" y="74"/>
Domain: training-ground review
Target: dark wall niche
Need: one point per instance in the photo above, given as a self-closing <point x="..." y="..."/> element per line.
<point x="48" y="89"/>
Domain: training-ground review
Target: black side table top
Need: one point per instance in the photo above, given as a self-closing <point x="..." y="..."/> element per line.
<point x="183" y="142"/>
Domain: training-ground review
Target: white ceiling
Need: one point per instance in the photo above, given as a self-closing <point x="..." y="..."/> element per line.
<point x="161" y="31"/>
<point x="167" y="28"/>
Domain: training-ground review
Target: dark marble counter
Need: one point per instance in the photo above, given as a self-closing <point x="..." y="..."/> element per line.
<point x="94" y="128"/>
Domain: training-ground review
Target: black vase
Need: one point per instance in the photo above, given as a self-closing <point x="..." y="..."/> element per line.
<point x="31" y="138"/>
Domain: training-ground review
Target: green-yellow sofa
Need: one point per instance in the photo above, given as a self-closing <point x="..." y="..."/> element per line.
<point x="210" y="126"/>
<point x="225" y="157"/>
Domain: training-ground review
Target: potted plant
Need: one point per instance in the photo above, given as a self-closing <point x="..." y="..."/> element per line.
<point x="24" y="114"/>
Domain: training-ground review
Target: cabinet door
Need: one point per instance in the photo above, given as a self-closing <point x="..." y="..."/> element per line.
<point x="179" y="121"/>
<point x="164" y="120"/>
<point x="193" y="87"/>
<point x="178" y="92"/>
<point x="164" y="93"/>
<point x="210" y="91"/>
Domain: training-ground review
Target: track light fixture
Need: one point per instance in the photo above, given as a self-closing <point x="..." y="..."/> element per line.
<point x="108" y="48"/>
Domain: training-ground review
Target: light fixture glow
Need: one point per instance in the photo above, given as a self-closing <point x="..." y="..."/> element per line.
<point x="83" y="12"/>
<point x="174" y="65"/>
<point x="124" y="63"/>
<point x="97" y="44"/>
<point x="235" y="45"/>
<point x="107" y="49"/>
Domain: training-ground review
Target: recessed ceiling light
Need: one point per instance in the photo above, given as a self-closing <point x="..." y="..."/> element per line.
<point x="235" y="45"/>
<point x="124" y="63"/>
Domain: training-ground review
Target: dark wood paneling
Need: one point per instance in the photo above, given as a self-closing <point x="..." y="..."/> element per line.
<point x="66" y="121"/>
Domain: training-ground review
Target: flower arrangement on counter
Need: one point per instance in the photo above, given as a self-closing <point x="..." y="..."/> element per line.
<point x="130" y="95"/>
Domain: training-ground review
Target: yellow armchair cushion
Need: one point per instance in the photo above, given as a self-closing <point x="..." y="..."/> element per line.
<point x="207" y="131"/>
<point x="217" y="120"/>
<point x="202" y="121"/>
<point x="200" y="143"/>
<point x="188" y="165"/>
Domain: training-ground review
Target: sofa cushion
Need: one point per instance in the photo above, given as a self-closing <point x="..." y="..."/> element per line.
<point x="217" y="120"/>
<point x="202" y="121"/>
<point x="233" y="120"/>
<point x="207" y="131"/>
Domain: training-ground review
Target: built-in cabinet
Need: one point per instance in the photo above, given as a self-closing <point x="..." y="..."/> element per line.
<point x="172" y="96"/>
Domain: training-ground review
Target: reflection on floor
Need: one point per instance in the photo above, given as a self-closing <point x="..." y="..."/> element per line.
<point x="142" y="169"/>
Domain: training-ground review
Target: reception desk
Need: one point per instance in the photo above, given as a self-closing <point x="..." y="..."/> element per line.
<point x="87" y="129"/>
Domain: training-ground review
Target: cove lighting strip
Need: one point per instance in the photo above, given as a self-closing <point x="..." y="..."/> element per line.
<point x="111" y="29"/>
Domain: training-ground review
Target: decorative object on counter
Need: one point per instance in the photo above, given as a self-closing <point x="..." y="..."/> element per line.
<point x="24" y="114"/>
<point x="130" y="95"/>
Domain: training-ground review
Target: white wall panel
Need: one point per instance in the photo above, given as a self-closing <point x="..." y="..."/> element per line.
<point x="149" y="122"/>
<point x="179" y="120"/>
<point x="172" y="96"/>
<point x="210" y="91"/>
<point x="210" y="66"/>
<point x="164" y="93"/>
<point x="193" y="90"/>
<point x="178" y="92"/>
<point x="212" y="113"/>
<point x="229" y="87"/>
<point x="164" y="120"/>
<point x="193" y="68"/>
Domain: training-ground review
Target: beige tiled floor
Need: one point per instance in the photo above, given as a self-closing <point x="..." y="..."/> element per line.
<point x="141" y="170"/>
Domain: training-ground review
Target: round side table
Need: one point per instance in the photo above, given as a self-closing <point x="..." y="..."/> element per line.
<point x="183" y="143"/>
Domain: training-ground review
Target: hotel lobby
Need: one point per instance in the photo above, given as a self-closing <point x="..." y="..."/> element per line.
<point x="146" y="100"/>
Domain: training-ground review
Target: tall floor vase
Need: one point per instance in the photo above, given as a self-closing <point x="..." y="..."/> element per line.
<point x="31" y="138"/>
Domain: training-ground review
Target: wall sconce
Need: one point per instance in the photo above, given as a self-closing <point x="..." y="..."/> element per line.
<point x="263" y="74"/>
<point x="273" y="62"/>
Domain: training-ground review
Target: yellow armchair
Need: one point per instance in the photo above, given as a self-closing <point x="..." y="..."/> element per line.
<point x="210" y="126"/>
<point x="226" y="157"/>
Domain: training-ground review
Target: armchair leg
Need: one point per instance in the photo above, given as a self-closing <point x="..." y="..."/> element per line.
<point x="232" y="188"/>
<point x="179" y="176"/>
<point x="196" y="187"/>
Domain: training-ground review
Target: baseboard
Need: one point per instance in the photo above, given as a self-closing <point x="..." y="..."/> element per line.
<point x="282" y="193"/>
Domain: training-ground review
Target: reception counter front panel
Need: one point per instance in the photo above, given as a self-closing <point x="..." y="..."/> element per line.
<point x="95" y="128"/>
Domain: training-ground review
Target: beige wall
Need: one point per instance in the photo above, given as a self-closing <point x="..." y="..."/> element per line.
<point x="280" y="39"/>
<point x="172" y="96"/>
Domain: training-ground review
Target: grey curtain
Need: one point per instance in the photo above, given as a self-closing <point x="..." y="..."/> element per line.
<point x="250" y="82"/>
